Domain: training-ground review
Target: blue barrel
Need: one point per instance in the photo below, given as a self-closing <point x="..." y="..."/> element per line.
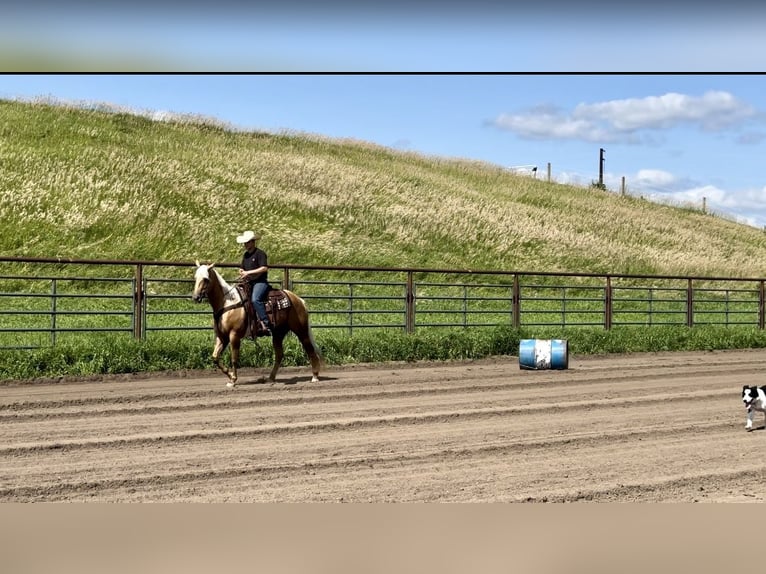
<point x="543" y="354"/>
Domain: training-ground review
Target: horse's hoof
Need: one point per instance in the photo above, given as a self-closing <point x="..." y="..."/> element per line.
<point x="231" y="384"/>
<point x="314" y="379"/>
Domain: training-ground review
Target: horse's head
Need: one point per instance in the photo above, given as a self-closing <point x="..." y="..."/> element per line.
<point x="201" y="282"/>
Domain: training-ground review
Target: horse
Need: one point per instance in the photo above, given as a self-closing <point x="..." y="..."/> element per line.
<point x="231" y="322"/>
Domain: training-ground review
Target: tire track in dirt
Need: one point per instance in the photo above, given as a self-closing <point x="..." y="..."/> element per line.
<point x="632" y="427"/>
<point x="147" y="403"/>
<point x="348" y="423"/>
<point x="498" y="448"/>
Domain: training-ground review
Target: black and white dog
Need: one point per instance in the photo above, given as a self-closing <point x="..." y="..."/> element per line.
<point x="755" y="400"/>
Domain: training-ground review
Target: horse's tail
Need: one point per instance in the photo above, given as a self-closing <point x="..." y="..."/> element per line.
<point x="316" y="347"/>
<point x="298" y="301"/>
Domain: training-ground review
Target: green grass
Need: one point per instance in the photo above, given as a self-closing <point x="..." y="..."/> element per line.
<point x="120" y="355"/>
<point x="93" y="181"/>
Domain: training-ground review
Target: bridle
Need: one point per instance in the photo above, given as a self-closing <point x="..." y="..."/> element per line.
<point x="201" y="293"/>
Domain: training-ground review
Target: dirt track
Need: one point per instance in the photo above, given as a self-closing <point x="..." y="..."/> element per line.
<point x="644" y="427"/>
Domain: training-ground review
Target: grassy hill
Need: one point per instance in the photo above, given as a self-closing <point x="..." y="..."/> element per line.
<point x="93" y="183"/>
<point x="96" y="182"/>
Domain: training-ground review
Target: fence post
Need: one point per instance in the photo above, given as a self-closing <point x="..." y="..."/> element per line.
<point x="689" y="304"/>
<point x="350" y="309"/>
<point x="622" y="186"/>
<point x="53" y="312"/>
<point x="138" y="301"/>
<point x="516" y="301"/>
<point x="409" y="302"/>
<point x="761" y="305"/>
<point x="465" y="306"/>
<point x="549" y="172"/>
<point x="608" y="303"/>
<point x="563" y="306"/>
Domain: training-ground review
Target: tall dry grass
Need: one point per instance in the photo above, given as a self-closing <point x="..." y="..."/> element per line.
<point x="93" y="181"/>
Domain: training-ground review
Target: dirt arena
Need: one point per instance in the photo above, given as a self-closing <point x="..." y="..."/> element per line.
<point x="644" y="427"/>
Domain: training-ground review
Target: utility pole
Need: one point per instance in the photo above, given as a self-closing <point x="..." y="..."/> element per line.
<point x="601" y="168"/>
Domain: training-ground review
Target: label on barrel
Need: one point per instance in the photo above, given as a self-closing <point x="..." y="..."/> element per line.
<point x="542" y="353"/>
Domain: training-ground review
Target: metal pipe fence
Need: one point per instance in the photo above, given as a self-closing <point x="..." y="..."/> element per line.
<point x="44" y="300"/>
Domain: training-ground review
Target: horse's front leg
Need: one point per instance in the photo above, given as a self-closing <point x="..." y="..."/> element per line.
<point x="220" y="346"/>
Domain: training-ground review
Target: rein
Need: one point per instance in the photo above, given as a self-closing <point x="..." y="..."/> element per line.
<point x="218" y="314"/>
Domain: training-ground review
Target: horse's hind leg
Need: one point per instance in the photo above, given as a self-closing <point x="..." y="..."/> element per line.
<point x="220" y="347"/>
<point x="279" y="353"/>
<point x="235" y="342"/>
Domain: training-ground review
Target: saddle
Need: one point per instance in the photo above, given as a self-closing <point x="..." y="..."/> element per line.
<point x="277" y="304"/>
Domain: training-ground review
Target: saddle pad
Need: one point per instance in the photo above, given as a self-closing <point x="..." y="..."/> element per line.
<point x="279" y="300"/>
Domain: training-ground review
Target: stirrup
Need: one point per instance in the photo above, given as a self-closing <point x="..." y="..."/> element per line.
<point x="262" y="329"/>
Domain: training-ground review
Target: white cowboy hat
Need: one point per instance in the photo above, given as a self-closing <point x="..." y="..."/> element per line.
<point x="246" y="236"/>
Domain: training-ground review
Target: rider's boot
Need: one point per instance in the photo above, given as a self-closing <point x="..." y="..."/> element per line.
<point x="264" y="328"/>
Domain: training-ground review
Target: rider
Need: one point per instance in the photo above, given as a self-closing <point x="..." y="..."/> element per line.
<point x="255" y="270"/>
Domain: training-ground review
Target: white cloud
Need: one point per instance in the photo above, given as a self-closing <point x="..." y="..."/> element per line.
<point x="751" y="138"/>
<point x="709" y="193"/>
<point x="650" y="177"/>
<point x="586" y="180"/>
<point x="538" y="124"/>
<point x="747" y="206"/>
<point x="161" y="116"/>
<point x="744" y="206"/>
<point x="619" y="120"/>
<point x="752" y="199"/>
<point x="713" y="110"/>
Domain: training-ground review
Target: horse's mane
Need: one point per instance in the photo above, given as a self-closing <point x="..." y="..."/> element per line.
<point x="224" y="285"/>
<point x="229" y="292"/>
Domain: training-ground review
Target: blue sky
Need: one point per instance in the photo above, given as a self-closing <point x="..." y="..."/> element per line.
<point x="675" y="136"/>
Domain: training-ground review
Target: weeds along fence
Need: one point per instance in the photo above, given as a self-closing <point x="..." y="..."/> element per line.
<point x="43" y="301"/>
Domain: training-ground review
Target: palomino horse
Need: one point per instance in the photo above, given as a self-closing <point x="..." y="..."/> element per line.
<point x="231" y="324"/>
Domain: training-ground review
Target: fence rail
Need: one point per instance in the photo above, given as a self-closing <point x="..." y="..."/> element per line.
<point x="43" y="299"/>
